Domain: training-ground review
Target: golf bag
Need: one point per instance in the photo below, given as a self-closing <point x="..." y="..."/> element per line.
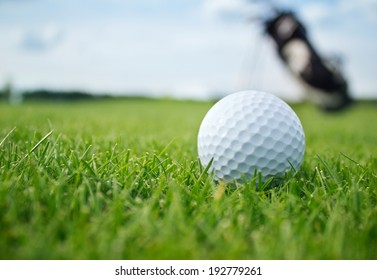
<point x="325" y="83"/>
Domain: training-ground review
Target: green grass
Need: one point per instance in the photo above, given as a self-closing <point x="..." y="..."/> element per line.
<point x="122" y="180"/>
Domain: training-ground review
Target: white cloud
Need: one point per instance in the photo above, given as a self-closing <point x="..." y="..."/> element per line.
<point x="360" y="5"/>
<point x="215" y="9"/>
<point x="315" y="12"/>
<point x="365" y="8"/>
<point x="41" y="39"/>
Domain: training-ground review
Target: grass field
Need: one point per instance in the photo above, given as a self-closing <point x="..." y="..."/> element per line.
<point x="121" y="179"/>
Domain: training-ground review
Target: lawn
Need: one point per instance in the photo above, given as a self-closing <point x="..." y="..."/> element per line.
<point x="121" y="179"/>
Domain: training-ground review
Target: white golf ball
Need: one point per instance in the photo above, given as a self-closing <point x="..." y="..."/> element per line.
<point x="250" y="132"/>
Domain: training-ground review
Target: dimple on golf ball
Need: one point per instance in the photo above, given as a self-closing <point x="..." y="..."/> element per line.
<point x="251" y="132"/>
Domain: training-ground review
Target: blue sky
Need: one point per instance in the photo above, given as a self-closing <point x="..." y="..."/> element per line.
<point x="187" y="48"/>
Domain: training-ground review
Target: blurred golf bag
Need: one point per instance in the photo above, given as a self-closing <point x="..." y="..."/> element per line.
<point x="325" y="84"/>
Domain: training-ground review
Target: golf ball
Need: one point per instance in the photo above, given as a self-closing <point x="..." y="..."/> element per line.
<point x="250" y="132"/>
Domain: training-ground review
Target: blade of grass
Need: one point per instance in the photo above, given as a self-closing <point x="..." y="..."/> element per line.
<point x="6" y="136"/>
<point x="40" y="141"/>
<point x="352" y="160"/>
